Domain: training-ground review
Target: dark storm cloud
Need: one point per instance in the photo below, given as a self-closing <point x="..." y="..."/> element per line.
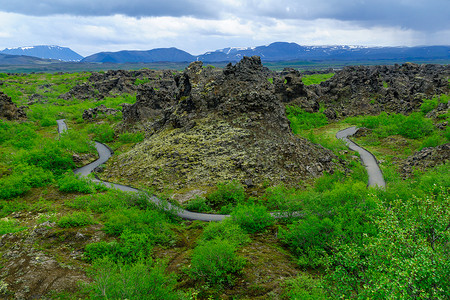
<point x="415" y="14"/>
<point x="423" y="15"/>
<point x="133" y="8"/>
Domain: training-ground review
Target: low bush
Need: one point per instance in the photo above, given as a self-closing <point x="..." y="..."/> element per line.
<point x="305" y="287"/>
<point x="13" y="186"/>
<point x="76" y="141"/>
<point x="50" y="156"/>
<point x="231" y="192"/>
<point x="310" y="239"/>
<point x="103" y="133"/>
<point x="428" y="105"/>
<point x="76" y="219"/>
<point x="225" y="230"/>
<point x="72" y="183"/>
<point x="216" y="262"/>
<point x="282" y="198"/>
<point x="144" y="280"/>
<point x="130" y="248"/>
<point x="252" y="218"/>
<point x="198" y="204"/>
<point x="150" y="222"/>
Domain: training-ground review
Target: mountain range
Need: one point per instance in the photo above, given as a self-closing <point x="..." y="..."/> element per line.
<point x="279" y="51"/>
<point x="45" y="52"/>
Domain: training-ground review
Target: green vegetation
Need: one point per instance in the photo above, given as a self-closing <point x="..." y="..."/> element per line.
<point x="9" y="226"/>
<point x="316" y="78"/>
<point x="141" y="81"/>
<point x="343" y="239"/>
<point x="216" y="262"/>
<point x="76" y="219"/>
<point x="141" y="280"/>
<point x="301" y="120"/>
<point x="252" y="218"/>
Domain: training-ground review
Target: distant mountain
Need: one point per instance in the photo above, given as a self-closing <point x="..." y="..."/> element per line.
<point x="6" y="59"/>
<point x="45" y="52"/>
<point x="279" y="51"/>
<point x="155" y="55"/>
<point x="291" y="51"/>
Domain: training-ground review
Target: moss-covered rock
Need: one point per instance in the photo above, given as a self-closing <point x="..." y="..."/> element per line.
<point x="216" y="126"/>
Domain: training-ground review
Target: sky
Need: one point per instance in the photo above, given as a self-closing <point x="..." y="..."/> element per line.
<point x="91" y="26"/>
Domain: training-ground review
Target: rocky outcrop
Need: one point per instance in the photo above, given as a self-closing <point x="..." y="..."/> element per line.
<point x="98" y="112"/>
<point x="426" y="159"/>
<point x="114" y="82"/>
<point x="216" y="125"/>
<point x="371" y="89"/>
<point x="9" y="110"/>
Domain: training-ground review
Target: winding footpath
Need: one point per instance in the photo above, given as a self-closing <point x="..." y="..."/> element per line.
<point x="368" y="159"/>
<point x="105" y="153"/>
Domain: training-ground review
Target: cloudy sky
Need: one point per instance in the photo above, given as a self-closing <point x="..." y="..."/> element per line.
<point x="90" y="26"/>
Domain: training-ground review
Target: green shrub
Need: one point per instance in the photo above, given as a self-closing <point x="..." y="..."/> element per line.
<point x="281" y="198"/>
<point x="198" y="204"/>
<point x="231" y="192"/>
<point x="47" y="121"/>
<point x="150" y="222"/>
<point x="304" y="287"/>
<point x="19" y="135"/>
<point x="428" y="105"/>
<point x="141" y="280"/>
<point x="408" y="259"/>
<point x="416" y="126"/>
<point x="216" y="262"/>
<point x="310" y="239"/>
<point x="225" y="230"/>
<point x="50" y="157"/>
<point x="34" y="176"/>
<point x="76" y="141"/>
<point x="252" y="218"/>
<point x="130" y="248"/>
<point x="76" y="219"/>
<point x="12" y="186"/>
<point x="72" y="183"/>
<point x="128" y="137"/>
<point x="103" y="133"/>
<point x="432" y="141"/>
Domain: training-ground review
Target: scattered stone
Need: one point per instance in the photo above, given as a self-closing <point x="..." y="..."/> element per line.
<point x="98" y="112"/>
